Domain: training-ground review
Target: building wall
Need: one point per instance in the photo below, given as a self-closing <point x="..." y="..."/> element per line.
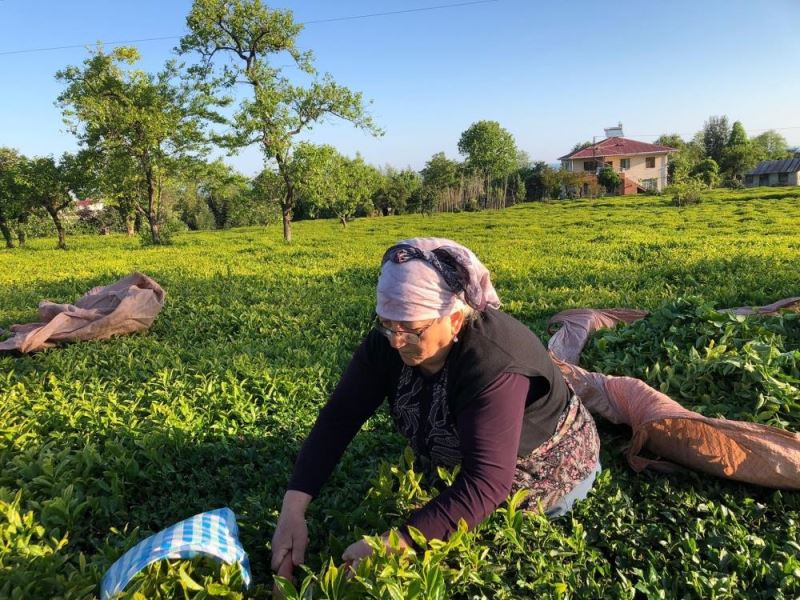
<point x="794" y="179"/>
<point x="638" y="167"/>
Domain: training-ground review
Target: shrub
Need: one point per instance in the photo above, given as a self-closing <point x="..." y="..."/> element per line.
<point x="688" y="192"/>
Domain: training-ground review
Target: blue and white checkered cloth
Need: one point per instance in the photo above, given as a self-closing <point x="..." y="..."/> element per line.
<point x="213" y="533"/>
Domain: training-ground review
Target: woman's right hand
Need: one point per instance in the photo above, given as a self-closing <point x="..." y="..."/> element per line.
<point x="291" y="534"/>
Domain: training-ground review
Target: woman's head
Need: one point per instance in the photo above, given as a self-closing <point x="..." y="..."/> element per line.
<point x="430" y="286"/>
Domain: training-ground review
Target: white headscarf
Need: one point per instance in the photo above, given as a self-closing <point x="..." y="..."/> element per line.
<point x="417" y="283"/>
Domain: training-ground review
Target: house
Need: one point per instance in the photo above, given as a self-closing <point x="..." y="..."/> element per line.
<point x="91" y="205"/>
<point x="641" y="166"/>
<point x="774" y="172"/>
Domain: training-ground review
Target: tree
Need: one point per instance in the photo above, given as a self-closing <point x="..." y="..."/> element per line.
<point x="707" y="171"/>
<point x="517" y="188"/>
<point x="609" y="179"/>
<point x="739" y="153"/>
<point x="716" y="133"/>
<point x="361" y="183"/>
<point x="770" y="145"/>
<point x="541" y="182"/>
<point x="490" y="151"/>
<point x="220" y="187"/>
<point x="245" y="36"/>
<point x="440" y="172"/>
<point x="332" y="182"/>
<point x="13" y="201"/>
<point x="396" y="191"/>
<point x="119" y="181"/>
<point x="53" y="186"/>
<point x="130" y="113"/>
<point x="688" y="155"/>
<point x="580" y="146"/>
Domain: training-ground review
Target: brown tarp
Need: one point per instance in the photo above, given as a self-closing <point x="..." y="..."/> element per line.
<point x="129" y="305"/>
<point x="749" y="452"/>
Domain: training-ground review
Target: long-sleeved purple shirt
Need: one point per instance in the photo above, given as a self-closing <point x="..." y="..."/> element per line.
<point x="488" y="431"/>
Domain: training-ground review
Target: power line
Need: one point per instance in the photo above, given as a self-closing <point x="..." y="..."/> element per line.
<point x="689" y="135"/>
<point x="312" y="22"/>
<point x="118" y="43"/>
<point x="399" y="12"/>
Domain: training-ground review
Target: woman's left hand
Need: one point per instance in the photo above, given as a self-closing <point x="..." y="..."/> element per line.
<point x="359" y="550"/>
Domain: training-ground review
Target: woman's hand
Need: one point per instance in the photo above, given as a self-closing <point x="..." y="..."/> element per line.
<point x="359" y="550"/>
<point x="291" y="534"/>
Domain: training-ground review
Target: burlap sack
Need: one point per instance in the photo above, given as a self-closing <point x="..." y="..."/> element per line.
<point x="742" y="451"/>
<point x="131" y="304"/>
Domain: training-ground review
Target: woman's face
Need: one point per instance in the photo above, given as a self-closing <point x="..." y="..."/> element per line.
<point x="435" y="339"/>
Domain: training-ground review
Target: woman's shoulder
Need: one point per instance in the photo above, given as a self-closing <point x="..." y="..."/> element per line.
<point x="499" y="328"/>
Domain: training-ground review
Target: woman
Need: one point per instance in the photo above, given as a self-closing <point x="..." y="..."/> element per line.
<point x="466" y="384"/>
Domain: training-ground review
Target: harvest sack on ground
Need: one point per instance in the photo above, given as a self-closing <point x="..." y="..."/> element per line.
<point x="748" y="452"/>
<point x="129" y="305"/>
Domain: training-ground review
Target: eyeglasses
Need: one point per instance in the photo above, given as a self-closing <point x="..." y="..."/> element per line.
<point x="409" y="337"/>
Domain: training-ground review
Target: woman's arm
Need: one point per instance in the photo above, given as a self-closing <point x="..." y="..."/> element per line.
<point x="489" y="431"/>
<point x="358" y="395"/>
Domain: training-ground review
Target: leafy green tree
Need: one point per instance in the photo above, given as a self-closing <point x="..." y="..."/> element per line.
<point x="396" y="191"/>
<point x="580" y="146"/>
<point x="609" y="179"/>
<point x="440" y="172"/>
<point x="220" y="187"/>
<point x="770" y="145"/>
<point x="119" y="181"/>
<point x="53" y="186"/>
<point x="716" y="133"/>
<point x="739" y="154"/>
<point x="688" y="155"/>
<point x="490" y="151"/>
<point x="332" y="182"/>
<point x="517" y="190"/>
<point x="541" y="181"/>
<point x="707" y="171"/>
<point x="13" y="201"/>
<point x="120" y="111"/>
<point x="244" y="38"/>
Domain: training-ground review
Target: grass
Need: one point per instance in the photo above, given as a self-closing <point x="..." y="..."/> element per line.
<point x="103" y="443"/>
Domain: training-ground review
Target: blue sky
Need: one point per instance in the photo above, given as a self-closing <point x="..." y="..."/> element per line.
<point x="552" y="73"/>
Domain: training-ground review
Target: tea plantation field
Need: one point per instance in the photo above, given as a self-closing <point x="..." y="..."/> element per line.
<point x="103" y="443"/>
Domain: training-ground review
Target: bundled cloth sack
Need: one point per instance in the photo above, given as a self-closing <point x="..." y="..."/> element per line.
<point x="129" y="305"/>
<point x="748" y="452"/>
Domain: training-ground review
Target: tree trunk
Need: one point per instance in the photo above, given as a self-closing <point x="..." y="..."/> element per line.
<point x="343" y="221"/>
<point x="6" y="233"/>
<point x="21" y="237"/>
<point x="218" y="212"/>
<point x="152" y="213"/>
<point x="130" y="224"/>
<point x="62" y="242"/>
<point x="286" y="210"/>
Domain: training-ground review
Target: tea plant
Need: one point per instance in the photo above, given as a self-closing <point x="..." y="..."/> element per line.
<point x="104" y="443"/>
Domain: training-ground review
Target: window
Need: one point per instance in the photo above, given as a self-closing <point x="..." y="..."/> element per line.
<point x="763" y="180"/>
<point x="625" y="163"/>
<point x="589" y="165"/>
<point x="609" y="163"/>
<point x="783" y="178"/>
<point x="748" y="179"/>
<point x="651" y="185"/>
<point x="650" y="162"/>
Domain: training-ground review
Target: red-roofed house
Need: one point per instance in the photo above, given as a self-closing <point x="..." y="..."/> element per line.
<point x="642" y="166"/>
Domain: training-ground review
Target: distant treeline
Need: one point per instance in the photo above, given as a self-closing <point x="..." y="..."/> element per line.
<point x="144" y="141"/>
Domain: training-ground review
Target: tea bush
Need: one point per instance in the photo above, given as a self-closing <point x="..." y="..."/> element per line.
<point x="104" y="443"/>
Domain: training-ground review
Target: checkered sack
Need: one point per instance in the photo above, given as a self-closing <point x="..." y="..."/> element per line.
<point x="213" y="533"/>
